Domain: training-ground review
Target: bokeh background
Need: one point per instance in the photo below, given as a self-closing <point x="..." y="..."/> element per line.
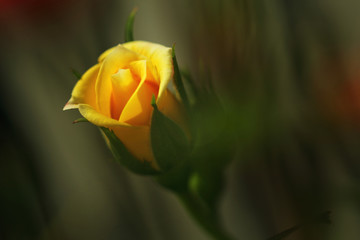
<point x="289" y="71"/>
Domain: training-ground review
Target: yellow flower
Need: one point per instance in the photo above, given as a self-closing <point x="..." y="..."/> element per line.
<point x="116" y="93"/>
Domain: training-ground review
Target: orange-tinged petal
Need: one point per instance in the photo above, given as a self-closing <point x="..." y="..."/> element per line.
<point x="119" y="58"/>
<point x="138" y="109"/>
<point x="84" y="90"/>
<point x="136" y="139"/>
<point x="152" y="76"/>
<point x="124" y="85"/>
<point x="160" y="58"/>
<point x="172" y="108"/>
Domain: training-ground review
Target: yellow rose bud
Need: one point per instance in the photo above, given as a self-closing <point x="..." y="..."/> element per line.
<point x="116" y="93"/>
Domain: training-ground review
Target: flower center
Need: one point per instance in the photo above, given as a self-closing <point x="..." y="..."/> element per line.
<point x="132" y="91"/>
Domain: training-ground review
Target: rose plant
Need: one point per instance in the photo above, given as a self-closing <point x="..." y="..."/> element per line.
<point x="154" y="131"/>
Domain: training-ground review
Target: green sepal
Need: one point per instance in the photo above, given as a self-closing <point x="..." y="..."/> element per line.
<point x="129" y="35"/>
<point x="76" y="74"/>
<point x="153" y="101"/>
<point x="79" y="120"/>
<point x="169" y="143"/>
<point x="177" y="178"/>
<point x="123" y="156"/>
<point x="179" y="84"/>
<point x="190" y="86"/>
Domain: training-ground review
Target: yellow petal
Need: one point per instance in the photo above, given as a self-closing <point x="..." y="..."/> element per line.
<point x="84" y="90"/>
<point x="160" y="58"/>
<point x="138" y="109"/>
<point x="100" y="119"/>
<point x="104" y="54"/>
<point x="119" y="58"/>
<point x="136" y="139"/>
<point x="124" y="85"/>
<point x="152" y="76"/>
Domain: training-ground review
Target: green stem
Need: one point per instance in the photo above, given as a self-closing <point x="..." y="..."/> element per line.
<point x="205" y="217"/>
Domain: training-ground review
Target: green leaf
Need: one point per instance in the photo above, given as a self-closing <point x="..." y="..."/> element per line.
<point x="122" y="155"/>
<point x="169" y="143"/>
<point x="129" y="36"/>
<point x="178" y="81"/>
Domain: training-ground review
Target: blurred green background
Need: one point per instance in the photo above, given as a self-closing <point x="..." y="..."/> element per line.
<point x="289" y="72"/>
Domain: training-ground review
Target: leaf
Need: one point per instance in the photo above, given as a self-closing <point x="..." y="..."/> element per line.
<point x="122" y="155"/>
<point x="129" y="36"/>
<point x="169" y="143"/>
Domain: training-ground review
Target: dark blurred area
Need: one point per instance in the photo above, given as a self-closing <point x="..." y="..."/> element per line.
<point x="287" y="71"/>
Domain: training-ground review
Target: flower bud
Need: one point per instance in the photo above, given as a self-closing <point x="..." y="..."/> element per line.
<point x="116" y="94"/>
